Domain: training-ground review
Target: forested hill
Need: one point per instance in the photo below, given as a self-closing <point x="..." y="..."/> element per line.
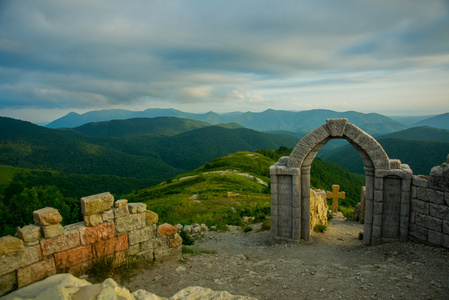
<point x="422" y="133"/>
<point x="164" y="126"/>
<point x="26" y="145"/>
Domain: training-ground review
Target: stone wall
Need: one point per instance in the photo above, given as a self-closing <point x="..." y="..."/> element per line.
<point x="318" y="208"/>
<point x="109" y="228"/>
<point x="429" y="216"/>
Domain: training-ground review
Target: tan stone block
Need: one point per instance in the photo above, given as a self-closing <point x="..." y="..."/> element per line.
<point x="69" y="258"/>
<point x="35" y="272"/>
<point x="93" y="220"/>
<point x="29" y="233"/>
<point x="108" y="215"/>
<point x="96" y="203"/>
<point x="121" y="212"/>
<point x="70" y="239"/>
<point x="152" y="217"/>
<point x="52" y="231"/>
<point x="176" y="241"/>
<point x="167" y="254"/>
<point x="142" y="234"/>
<point x="135" y="208"/>
<point x="47" y="216"/>
<point x="120" y="203"/>
<point x="10" y="244"/>
<point x="7" y="283"/>
<point x="129" y="223"/>
<point x="166" y="229"/>
<point x="90" y="235"/>
<point x="110" y="246"/>
<point x="13" y="261"/>
<point x="134" y="249"/>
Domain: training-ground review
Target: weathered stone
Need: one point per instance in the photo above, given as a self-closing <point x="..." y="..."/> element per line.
<point x="420" y="206"/>
<point x="187" y="229"/>
<point x="29" y="233"/>
<point x="436" y="197"/>
<point x="15" y="260"/>
<point x="152" y="217"/>
<point x="419" y="181"/>
<point x="446" y="226"/>
<point x="108" y="215"/>
<point x="7" y="283"/>
<point x="135" y="208"/>
<point x="90" y="235"/>
<point x="10" y="244"/>
<point x="435" y="238"/>
<point x="438" y="211"/>
<point x="429" y="222"/>
<point x="179" y="227"/>
<point x="146" y="255"/>
<point x="110" y="246"/>
<point x="418" y="232"/>
<point x="167" y="254"/>
<point x="120" y="203"/>
<point x="155" y="243"/>
<point x="176" y="241"/>
<point x="35" y="272"/>
<point x="73" y="257"/>
<point x="142" y="235"/>
<point x="80" y="269"/>
<point x="93" y="220"/>
<point x="395" y="164"/>
<point x="166" y="229"/>
<point x="196" y="292"/>
<point x="70" y="239"/>
<point x="96" y="204"/>
<point x="131" y="222"/>
<point x="133" y="250"/>
<point x="436" y="171"/>
<point x="47" y="216"/>
<point x="121" y="211"/>
<point x="52" y="231"/>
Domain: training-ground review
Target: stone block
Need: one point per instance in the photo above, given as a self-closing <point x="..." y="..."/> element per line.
<point x="336" y="126"/>
<point x="419" y="181"/>
<point x="68" y="258"/>
<point x="378" y="207"/>
<point x="154" y="243"/>
<point x="446" y="226"/>
<point x="142" y="235"/>
<point x="96" y="204"/>
<point x="93" y="220"/>
<point x="130" y="222"/>
<point x="167" y="254"/>
<point x="166" y="230"/>
<point x="29" y="233"/>
<point x="47" y="216"/>
<point x="120" y="203"/>
<point x="429" y="222"/>
<point x="435" y="238"/>
<point x="108" y="215"/>
<point x="395" y="164"/>
<point x="52" y="231"/>
<point x="111" y="246"/>
<point x="35" y="272"/>
<point x="445" y="242"/>
<point x="15" y="260"/>
<point x="436" y="197"/>
<point x="146" y="255"/>
<point x="7" y="283"/>
<point x="133" y="250"/>
<point x="176" y="241"/>
<point x="437" y="171"/>
<point x="420" y="206"/>
<point x="438" y="211"/>
<point x="70" y="239"/>
<point x="446" y="198"/>
<point x="421" y="194"/>
<point x="10" y="244"/>
<point x="121" y="212"/>
<point x="418" y="232"/>
<point x="90" y="235"/>
<point x="135" y="208"/>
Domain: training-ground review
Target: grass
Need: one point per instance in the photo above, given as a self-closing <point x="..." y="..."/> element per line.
<point x="196" y="251"/>
<point x="320" y="228"/>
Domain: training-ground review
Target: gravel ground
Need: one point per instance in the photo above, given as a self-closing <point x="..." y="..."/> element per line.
<point x="336" y="265"/>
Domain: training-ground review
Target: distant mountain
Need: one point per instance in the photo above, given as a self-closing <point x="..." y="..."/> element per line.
<point x="25" y="145"/>
<point x="409" y="120"/>
<point x="440" y="121"/>
<point x="423" y="133"/>
<point x="270" y="120"/>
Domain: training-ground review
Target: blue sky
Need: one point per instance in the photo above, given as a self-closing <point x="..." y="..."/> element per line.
<point x="389" y="57"/>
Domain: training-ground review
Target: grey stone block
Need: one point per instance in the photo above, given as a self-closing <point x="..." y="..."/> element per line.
<point x="336" y="127"/>
<point x="419" y="181"/>
<point x="7" y="283"/>
<point x="436" y="197"/>
<point x="377" y="220"/>
<point x="285" y="232"/>
<point x="377" y="231"/>
<point x="445" y="242"/>
<point x="446" y="226"/>
<point x="438" y="211"/>
<point x="418" y="232"/>
<point x="435" y="238"/>
<point x="420" y="207"/>
<point x="391" y="232"/>
<point x="392" y="208"/>
<point x="429" y="222"/>
<point x="130" y="223"/>
<point x="421" y="194"/>
<point x="378" y="207"/>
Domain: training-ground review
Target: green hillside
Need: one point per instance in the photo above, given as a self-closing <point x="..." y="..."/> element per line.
<point x="421" y="156"/>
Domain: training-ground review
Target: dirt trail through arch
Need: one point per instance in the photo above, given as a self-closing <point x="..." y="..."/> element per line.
<point x="335" y="266"/>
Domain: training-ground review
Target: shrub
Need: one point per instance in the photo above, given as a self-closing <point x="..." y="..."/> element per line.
<point x="186" y="239"/>
<point x="247" y="229"/>
<point x="361" y="235"/>
<point x="266" y="225"/>
<point x="320" y="228"/>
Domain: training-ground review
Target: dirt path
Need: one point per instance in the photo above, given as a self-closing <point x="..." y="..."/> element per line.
<point x="335" y="266"/>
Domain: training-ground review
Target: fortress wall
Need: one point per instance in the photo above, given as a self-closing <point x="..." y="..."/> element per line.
<point x="109" y="228"/>
<point x="429" y="215"/>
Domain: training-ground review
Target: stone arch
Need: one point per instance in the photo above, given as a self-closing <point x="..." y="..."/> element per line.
<point x="290" y="186"/>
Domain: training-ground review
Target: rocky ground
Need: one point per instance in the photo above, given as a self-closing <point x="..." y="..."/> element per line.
<point x="335" y="266"/>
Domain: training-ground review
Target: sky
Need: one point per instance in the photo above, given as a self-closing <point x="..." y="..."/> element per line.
<point x="382" y="56"/>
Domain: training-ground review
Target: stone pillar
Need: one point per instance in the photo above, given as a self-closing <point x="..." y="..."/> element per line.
<point x="305" y="203"/>
<point x="369" y="200"/>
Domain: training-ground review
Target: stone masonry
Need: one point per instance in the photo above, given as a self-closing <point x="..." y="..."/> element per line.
<point x="398" y="206"/>
<point x="46" y="247"/>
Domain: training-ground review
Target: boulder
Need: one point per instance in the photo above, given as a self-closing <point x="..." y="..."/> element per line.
<point x="167" y="229"/>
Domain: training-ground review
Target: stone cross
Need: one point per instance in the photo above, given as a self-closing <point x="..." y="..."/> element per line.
<point x="335" y="195"/>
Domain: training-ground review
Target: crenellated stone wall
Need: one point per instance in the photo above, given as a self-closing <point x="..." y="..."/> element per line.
<point x="110" y="228"/>
<point x="429" y="215"/>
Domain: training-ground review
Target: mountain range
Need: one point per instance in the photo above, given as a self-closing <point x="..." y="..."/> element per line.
<point x="296" y="123"/>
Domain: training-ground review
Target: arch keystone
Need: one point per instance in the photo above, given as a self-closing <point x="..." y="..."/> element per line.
<point x="336" y="126"/>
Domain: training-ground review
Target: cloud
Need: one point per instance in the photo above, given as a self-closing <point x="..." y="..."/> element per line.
<point x="235" y="55"/>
